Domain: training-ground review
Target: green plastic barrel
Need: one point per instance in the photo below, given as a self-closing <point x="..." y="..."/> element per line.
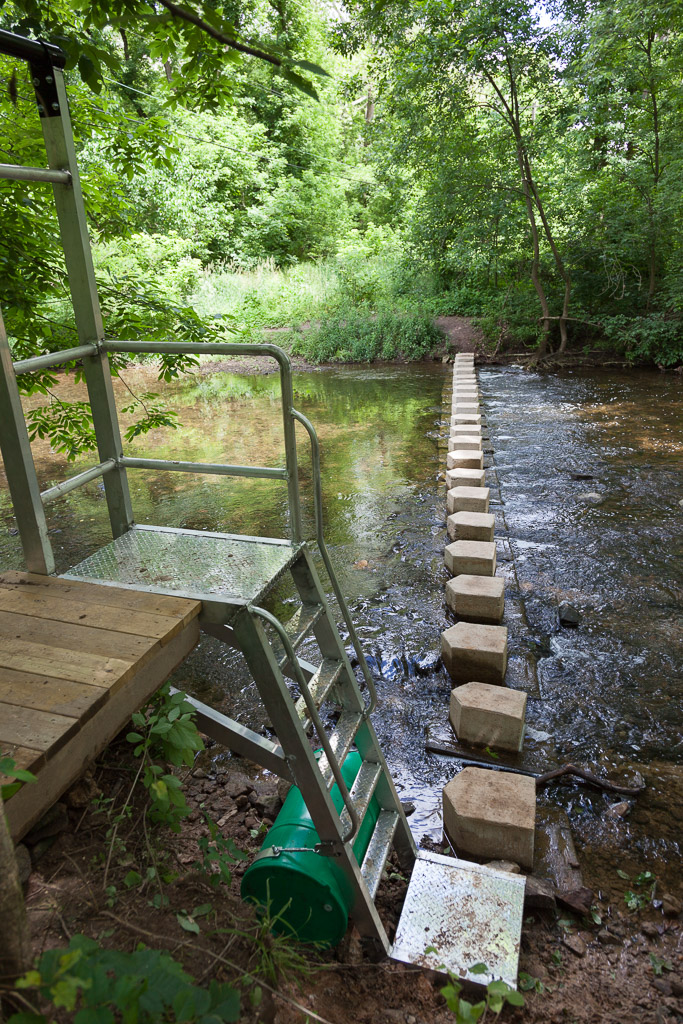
<point x="307" y="895"/>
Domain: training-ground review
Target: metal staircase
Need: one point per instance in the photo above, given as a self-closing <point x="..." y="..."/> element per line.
<point x="231" y="574"/>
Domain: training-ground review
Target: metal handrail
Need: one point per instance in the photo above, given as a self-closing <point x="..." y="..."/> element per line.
<point x="65" y="355"/>
<point x="31" y="50"/>
<point x="59" y="490"/>
<point x="288" y="474"/>
<point x="320" y="540"/>
<point x="18" y="172"/>
<point x="315" y="718"/>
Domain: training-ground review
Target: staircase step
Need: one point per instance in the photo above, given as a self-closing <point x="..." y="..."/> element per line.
<point x="319" y="685"/>
<point x="362" y="790"/>
<point x="378" y="850"/>
<point x="297" y="629"/>
<point x="341" y="742"/>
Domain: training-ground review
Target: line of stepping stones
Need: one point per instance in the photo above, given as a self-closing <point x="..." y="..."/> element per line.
<point x="486" y="814"/>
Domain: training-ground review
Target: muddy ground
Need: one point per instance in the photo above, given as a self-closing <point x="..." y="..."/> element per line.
<point x="627" y="969"/>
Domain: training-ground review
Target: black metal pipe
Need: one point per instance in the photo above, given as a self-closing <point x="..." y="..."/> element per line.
<point x="29" y="49"/>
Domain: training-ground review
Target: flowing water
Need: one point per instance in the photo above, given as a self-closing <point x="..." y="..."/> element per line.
<point x="588" y="509"/>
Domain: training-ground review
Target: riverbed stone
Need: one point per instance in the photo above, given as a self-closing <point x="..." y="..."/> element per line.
<point x="471" y="557"/>
<point x="464" y="478"/>
<point x="465" y="498"/>
<point x="464" y="443"/>
<point x="491" y="814"/>
<point x="487" y="715"/>
<point x="471" y="650"/>
<point x="476" y="598"/>
<point x="461" y="458"/>
<point x="466" y="525"/>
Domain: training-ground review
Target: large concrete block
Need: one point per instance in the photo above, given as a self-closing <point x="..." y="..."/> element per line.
<point x="471" y="429"/>
<point x="472" y="651"/>
<point x="467" y="499"/>
<point x="463" y="459"/>
<point x="464" y="478"/>
<point x="491" y="815"/>
<point x="490" y="716"/>
<point x="471" y="526"/>
<point x="471" y="557"/>
<point x="464" y="443"/>
<point x="476" y="597"/>
<point x="473" y="418"/>
<point x="459" y="408"/>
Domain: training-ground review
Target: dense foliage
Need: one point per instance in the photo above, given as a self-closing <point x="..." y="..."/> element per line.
<point x="507" y="160"/>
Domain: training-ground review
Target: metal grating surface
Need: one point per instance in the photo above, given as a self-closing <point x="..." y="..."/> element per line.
<point x="469" y="913"/>
<point x="230" y="568"/>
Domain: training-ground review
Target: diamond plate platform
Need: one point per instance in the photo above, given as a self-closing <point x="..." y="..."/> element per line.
<point x="206" y="566"/>
<point x="470" y="914"/>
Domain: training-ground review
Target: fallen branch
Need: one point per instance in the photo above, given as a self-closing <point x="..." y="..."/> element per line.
<point x="571" y="769"/>
<point x="435" y="747"/>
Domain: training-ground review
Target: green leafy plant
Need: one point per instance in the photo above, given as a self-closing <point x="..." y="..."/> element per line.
<point x="528" y="983"/>
<point x="9" y="769"/>
<point x="659" y="964"/>
<point x="498" y="993"/>
<point x="188" y="921"/>
<point x="165" y="731"/>
<point x="102" y="986"/>
<point x="218" y="855"/>
<point x="646" y="882"/>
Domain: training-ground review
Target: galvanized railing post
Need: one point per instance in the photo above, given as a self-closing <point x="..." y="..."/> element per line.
<point x="56" y="124"/>
<point x="322" y="547"/>
<point x="19" y="467"/>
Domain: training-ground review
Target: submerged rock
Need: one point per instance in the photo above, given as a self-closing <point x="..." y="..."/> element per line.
<point x="569" y="615"/>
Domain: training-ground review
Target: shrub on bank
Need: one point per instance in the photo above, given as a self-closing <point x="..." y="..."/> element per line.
<point x="358" y="335"/>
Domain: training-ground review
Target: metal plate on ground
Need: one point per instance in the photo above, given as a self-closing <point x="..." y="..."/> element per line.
<point x="228" y="567"/>
<point x="470" y="914"/>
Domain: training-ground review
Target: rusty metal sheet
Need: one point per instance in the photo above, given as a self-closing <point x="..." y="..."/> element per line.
<point x="469" y="913"/>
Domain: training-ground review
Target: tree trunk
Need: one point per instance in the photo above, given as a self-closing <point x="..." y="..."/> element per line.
<point x="536" y="259"/>
<point x="14" y="944"/>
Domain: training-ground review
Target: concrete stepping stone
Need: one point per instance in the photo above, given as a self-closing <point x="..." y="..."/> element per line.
<point x="471" y="557"/>
<point x="471" y="429"/>
<point x="491" y="815"/>
<point x="488" y="716"/>
<point x="474" y="651"/>
<point x="466" y="525"/>
<point x="466" y="417"/>
<point x="464" y="443"/>
<point x="464" y="478"/>
<point x="465" y="498"/>
<point x="476" y="597"/>
<point x="463" y="459"/>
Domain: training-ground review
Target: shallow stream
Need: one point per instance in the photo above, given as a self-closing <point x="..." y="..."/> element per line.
<point x="588" y="465"/>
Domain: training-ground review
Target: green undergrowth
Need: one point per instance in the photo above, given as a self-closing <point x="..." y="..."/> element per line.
<point x="361" y="336"/>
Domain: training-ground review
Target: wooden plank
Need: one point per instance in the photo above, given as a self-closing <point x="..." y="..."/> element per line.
<point x="23" y="757"/>
<point x="77" y="666"/>
<point x="30" y="803"/>
<point x="45" y="693"/>
<point x="42" y="730"/>
<point x="182" y="608"/>
<point x="53" y="605"/>
<point x="104" y="642"/>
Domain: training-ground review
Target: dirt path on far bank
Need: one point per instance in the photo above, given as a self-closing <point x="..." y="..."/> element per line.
<point x="462" y="335"/>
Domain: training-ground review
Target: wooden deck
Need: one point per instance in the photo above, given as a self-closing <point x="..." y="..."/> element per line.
<point x="76" y="660"/>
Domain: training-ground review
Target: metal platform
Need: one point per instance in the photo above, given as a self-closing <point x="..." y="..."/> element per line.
<point x="232" y="569"/>
<point x="468" y="913"/>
